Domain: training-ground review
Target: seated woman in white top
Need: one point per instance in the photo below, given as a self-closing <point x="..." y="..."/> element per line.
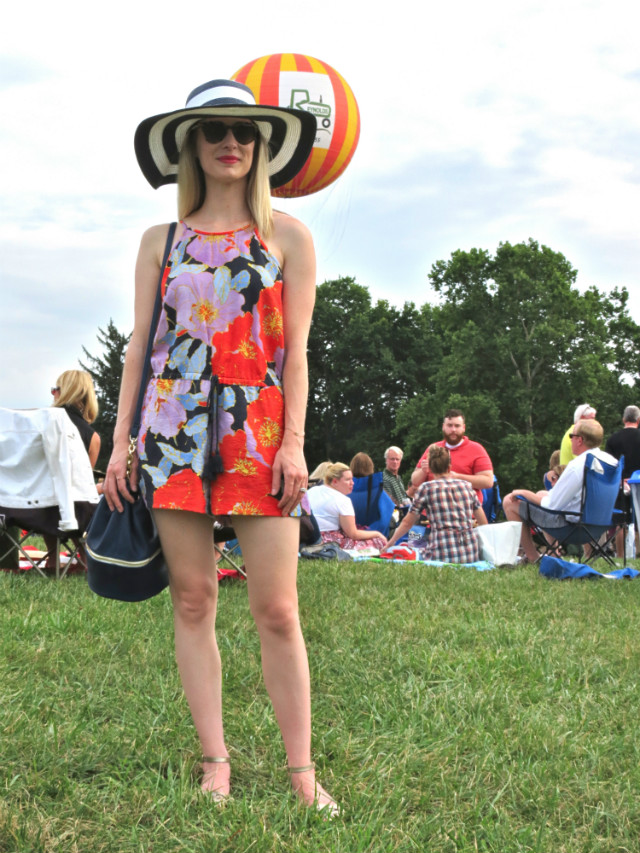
<point x="335" y="514"/>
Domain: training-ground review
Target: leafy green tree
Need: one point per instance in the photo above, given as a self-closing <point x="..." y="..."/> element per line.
<point x="522" y="346"/>
<point x="106" y="372"/>
<point x="365" y="361"/>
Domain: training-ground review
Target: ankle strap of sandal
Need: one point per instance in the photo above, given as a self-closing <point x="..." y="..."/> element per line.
<point x="304" y="769"/>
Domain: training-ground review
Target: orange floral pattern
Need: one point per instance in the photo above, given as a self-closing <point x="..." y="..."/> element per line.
<point x="216" y="386"/>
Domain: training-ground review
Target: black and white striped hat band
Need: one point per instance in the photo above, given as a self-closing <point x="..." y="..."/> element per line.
<point x="220" y="93"/>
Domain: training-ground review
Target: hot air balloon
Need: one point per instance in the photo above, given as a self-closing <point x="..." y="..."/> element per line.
<point x="294" y="80"/>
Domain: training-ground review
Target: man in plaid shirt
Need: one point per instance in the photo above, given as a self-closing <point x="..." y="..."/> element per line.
<point x="391" y="480"/>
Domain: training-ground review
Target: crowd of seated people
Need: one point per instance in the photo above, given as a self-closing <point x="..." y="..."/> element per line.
<point x="565" y="495"/>
<point x="453" y="510"/>
<point x="443" y="481"/>
<point x="473" y="469"/>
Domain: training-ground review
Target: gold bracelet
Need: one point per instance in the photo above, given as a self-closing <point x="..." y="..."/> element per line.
<point x="299" y="434"/>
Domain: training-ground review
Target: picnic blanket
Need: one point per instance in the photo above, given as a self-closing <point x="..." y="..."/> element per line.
<point x="559" y="569"/>
<point x="479" y="565"/>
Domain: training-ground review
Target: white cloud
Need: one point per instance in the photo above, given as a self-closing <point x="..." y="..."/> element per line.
<point x="601" y="192"/>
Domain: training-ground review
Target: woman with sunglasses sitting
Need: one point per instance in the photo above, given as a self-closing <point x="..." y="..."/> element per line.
<point x="223" y="421"/>
<point x="335" y="514"/>
<point x="75" y="393"/>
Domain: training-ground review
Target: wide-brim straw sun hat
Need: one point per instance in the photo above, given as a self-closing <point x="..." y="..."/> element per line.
<point x="289" y="133"/>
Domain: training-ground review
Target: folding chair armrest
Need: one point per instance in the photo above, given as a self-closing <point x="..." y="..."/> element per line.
<point x="575" y="514"/>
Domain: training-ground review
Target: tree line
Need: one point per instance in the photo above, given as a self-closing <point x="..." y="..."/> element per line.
<point x="511" y="341"/>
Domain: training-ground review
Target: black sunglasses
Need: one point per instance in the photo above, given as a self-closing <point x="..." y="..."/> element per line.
<point x="215" y="131"/>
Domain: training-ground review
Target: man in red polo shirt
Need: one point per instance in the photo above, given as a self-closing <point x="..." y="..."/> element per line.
<point x="469" y="460"/>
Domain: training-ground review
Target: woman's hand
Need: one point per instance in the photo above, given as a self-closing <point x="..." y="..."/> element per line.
<point x="405" y="525"/>
<point x="289" y="473"/>
<point x="116" y="485"/>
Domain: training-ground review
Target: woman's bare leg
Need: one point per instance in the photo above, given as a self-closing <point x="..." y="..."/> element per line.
<point x="187" y="543"/>
<point x="270" y="552"/>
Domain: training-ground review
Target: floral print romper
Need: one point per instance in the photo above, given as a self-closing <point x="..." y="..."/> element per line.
<point x="213" y="414"/>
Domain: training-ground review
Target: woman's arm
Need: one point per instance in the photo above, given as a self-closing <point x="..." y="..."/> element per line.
<point x="94" y="449"/>
<point x="148" y="263"/>
<point x="480" y="516"/>
<point x="294" y="242"/>
<point x="405" y="525"/>
<point x="348" y="527"/>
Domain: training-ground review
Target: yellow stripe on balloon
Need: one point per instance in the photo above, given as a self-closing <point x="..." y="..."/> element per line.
<point x="350" y="140"/>
<point x="288" y="63"/>
<point x="314" y="164"/>
<point x="316" y="66"/>
<point x="254" y="77"/>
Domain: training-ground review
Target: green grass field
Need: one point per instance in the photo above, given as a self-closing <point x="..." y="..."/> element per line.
<point x="453" y="711"/>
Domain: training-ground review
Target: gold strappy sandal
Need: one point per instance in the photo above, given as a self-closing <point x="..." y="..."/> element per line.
<point x="329" y="808"/>
<point x="216" y="795"/>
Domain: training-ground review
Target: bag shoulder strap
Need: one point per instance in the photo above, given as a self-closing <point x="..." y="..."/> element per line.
<point x="146" y="367"/>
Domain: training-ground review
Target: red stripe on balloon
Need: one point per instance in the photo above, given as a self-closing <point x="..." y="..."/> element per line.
<point x="302" y="62"/>
<point x="340" y="132"/>
<point x="269" y="85"/>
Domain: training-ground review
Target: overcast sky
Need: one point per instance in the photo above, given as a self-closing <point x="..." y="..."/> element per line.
<point x="481" y="123"/>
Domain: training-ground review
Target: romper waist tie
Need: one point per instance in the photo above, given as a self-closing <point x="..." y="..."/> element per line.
<point x="213" y="460"/>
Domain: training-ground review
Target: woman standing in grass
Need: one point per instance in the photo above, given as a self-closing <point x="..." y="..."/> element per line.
<point x="223" y="420"/>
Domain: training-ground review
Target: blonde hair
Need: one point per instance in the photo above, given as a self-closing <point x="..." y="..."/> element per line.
<point x="439" y="459"/>
<point x="335" y="472"/>
<point x="192" y="187"/>
<point x="591" y="432"/>
<point x="76" y="389"/>
<point x="362" y="465"/>
<point x="319" y="472"/>
<point x="554" y="459"/>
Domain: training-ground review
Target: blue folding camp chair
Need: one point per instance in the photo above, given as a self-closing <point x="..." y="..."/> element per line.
<point x="372" y="504"/>
<point x="586" y="525"/>
<point x="491" y="501"/>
